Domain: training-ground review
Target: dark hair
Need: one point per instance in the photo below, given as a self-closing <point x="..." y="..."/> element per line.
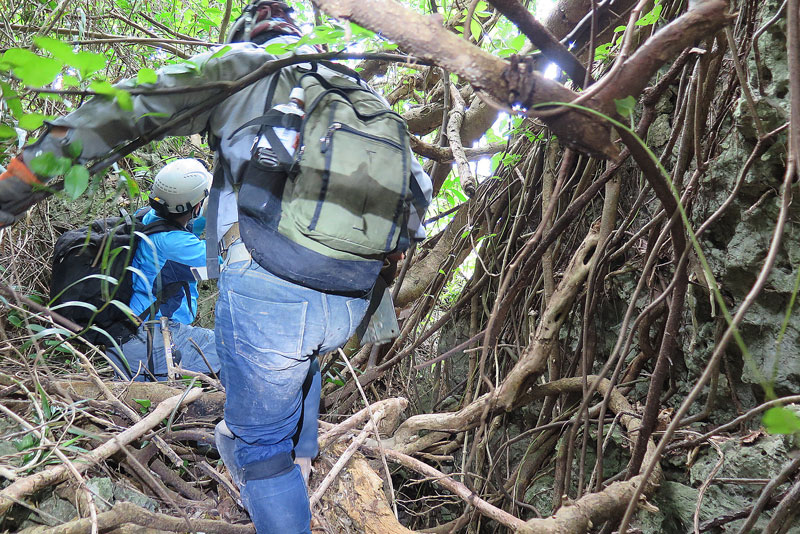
<point x="257" y="22"/>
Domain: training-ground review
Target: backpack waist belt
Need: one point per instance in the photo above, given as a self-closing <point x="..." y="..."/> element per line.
<point x="231" y="236"/>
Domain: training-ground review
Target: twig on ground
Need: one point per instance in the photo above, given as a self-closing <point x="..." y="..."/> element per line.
<point x="54" y="475"/>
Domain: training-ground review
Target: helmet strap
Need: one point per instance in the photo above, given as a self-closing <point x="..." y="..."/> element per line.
<point x="159" y="206"/>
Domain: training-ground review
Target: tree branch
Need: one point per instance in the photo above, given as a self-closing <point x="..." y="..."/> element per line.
<point x="59" y="473"/>
<point x="468" y="182"/>
<point x="128" y="513"/>
<point x="507" y="83"/>
<point x="702" y="19"/>
<point x="541" y="37"/>
<point x="445" y="155"/>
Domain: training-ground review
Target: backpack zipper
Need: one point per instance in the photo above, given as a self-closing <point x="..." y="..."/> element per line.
<point x="327" y="140"/>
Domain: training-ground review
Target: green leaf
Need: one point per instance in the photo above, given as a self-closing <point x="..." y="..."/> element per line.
<point x="625" y="105"/>
<point x="60" y="50"/>
<point x="27" y="442"/>
<point x="651" y="17"/>
<point x="335" y="381"/>
<point x="88" y="62"/>
<point x="144" y="404"/>
<point x="47" y="412"/>
<point x="155" y="114"/>
<point x="123" y="97"/>
<point x="601" y="52"/>
<point x="68" y="80"/>
<point x="31" y="121"/>
<point x="183" y="67"/>
<point x="517" y="42"/>
<point x="781" y="420"/>
<point x="360" y="32"/>
<point x="124" y="100"/>
<point x="49" y="165"/>
<point x="15" y="320"/>
<point x="12" y="100"/>
<point x="76" y="181"/>
<point x="220" y="52"/>
<point x="476" y="29"/>
<point x="102" y="87"/>
<point x="7" y="131"/>
<point x="133" y="187"/>
<point x="31" y="69"/>
<point x="74" y="149"/>
<point x="277" y="49"/>
<point x="146" y="76"/>
<point x="57" y="346"/>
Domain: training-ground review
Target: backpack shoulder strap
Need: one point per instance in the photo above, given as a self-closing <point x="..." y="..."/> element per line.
<point x="273" y="84"/>
<point x="212" y="217"/>
<point x="341" y="69"/>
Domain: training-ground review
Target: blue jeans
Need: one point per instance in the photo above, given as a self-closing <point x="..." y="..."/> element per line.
<point x="183" y="352"/>
<point x="268" y="330"/>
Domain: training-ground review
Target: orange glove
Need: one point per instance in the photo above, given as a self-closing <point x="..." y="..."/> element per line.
<point x="16" y="191"/>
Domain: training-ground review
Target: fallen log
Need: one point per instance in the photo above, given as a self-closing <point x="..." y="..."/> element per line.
<point x="209" y="406"/>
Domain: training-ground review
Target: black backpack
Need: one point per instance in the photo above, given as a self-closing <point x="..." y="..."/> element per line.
<point x="91" y="283"/>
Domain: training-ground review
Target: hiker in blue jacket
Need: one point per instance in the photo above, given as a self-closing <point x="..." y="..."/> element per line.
<point x="281" y="304"/>
<point x="163" y="282"/>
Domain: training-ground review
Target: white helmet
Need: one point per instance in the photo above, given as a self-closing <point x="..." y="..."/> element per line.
<point x="180" y="186"/>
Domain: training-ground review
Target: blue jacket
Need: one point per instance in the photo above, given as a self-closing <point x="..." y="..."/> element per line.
<point x="171" y="254"/>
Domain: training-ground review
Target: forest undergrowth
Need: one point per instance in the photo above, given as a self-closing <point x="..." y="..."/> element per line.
<point x="598" y="335"/>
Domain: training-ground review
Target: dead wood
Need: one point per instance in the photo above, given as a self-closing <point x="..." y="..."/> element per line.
<point x="370" y="427"/>
<point x="392" y="410"/>
<point x="356" y="503"/>
<point x="456" y="487"/>
<point x="125" y="513"/>
<point x="209" y="406"/>
<point x="56" y="474"/>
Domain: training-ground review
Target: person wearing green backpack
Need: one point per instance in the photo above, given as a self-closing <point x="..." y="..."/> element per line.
<point x="306" y="206"/>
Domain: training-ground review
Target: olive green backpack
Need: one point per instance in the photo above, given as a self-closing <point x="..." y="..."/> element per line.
<point x="327" y="215"/>
<point x="347" y="187"/>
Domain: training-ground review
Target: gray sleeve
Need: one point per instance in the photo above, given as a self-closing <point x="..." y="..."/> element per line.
<point x="422" y="191"/>
<point x="100" y="124"/>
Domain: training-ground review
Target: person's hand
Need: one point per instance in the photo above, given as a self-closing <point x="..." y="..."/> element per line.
<point x="16" y="191"/>
<point x="389" y="269"/>
<point x="396" y="257"/>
